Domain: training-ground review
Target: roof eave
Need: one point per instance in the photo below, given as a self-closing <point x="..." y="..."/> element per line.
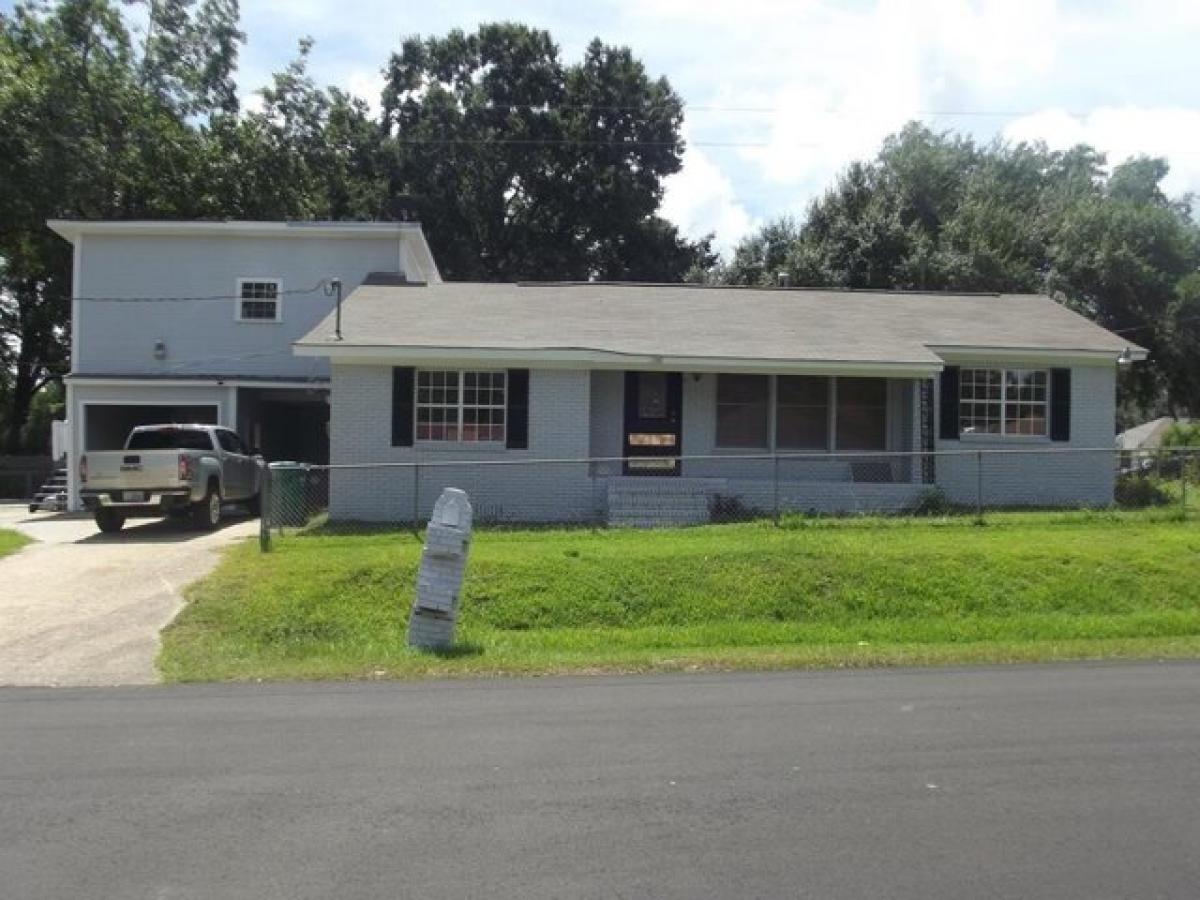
<point x="361" y="354"/>
<point x="1039" y="355"/>
<point x="72" y="229"/>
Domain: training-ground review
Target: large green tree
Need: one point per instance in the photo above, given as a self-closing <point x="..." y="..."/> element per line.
<point x="523" y="166"/>
<point x="937" y="211"/>
<point x="93" y="126"/>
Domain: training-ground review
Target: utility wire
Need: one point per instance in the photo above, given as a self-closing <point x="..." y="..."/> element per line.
<point x="1150" y="325"/>
<point x="320" y="285"/>
<point x="764" y="110"/>
<point x="574" y="142"/>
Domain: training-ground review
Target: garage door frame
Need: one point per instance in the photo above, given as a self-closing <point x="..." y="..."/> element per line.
<point x="84" y="404"/>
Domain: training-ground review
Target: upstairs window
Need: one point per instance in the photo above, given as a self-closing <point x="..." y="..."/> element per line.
<point x="258" y="300"/>
<point x="462" y="406"/>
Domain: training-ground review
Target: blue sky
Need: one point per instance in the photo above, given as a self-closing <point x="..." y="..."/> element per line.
<point x="809" y="85"/>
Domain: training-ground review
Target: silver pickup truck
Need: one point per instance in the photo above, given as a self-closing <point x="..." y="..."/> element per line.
<point x="171" y="470"/>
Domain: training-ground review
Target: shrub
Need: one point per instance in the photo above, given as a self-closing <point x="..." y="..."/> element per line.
<point x="1140" y="491"/>
<point x="1182" y="434"/>
<point x="932" y="502"/>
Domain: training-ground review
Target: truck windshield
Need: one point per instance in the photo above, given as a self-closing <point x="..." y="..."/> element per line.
<point x="170" y="439"/>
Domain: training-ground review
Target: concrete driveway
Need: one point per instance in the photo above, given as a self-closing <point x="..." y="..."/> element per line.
<point x="82" y="608"/>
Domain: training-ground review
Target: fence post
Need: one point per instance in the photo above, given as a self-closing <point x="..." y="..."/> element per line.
<point x="775" y="499"/>
<point x="1183" y="473"/>
<point x="979" y="487"/>
<point x="264" y="511"/>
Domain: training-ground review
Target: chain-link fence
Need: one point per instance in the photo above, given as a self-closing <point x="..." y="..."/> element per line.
<point x="731" y="487"/>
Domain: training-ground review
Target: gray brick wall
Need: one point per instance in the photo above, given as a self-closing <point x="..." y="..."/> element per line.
<point x="575" y="414"/>
<point x="608" y="413"/>
<point x="1043" y="476"/>
<point x="360" y="432"/>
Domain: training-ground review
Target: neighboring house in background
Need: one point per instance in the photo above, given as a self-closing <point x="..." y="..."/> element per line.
<point x="1137" y="444"/>
<point x="508" y="372"/>
<point x="143" y="353"/>
<point x="1147" y="436"/>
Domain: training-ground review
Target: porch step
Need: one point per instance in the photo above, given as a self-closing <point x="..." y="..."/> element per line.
<point x="52" y="495"/>
<point x="648" y="502"/>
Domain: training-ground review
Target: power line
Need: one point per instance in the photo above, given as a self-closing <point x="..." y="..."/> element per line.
<point x="320" y="285"/>
<point x="580" y="142"/>
<point x="1151" y="326"/>
<point x="764" y="110"/>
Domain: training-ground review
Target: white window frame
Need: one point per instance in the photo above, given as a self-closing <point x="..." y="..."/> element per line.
<point x="1003" y="433"/>
<point x="239" y="299"/>
<point x="460" y="374"/>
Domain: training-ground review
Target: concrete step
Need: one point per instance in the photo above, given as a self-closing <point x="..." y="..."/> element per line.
<point x="660" y="502"/>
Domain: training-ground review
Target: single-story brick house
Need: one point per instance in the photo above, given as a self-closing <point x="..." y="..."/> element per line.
<point x="761" y="391"/>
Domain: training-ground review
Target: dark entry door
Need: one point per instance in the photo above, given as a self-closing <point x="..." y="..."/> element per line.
<point x="653" y="422"/>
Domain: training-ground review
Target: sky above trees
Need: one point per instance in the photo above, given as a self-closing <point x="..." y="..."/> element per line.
<point x="782" y="94"/>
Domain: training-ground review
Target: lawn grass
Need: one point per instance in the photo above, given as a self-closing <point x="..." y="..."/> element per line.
<point x="813" y="592"/>
<point x="11" y="541"/>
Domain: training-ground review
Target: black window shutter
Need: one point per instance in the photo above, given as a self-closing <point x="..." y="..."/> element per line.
<point x="1060" y="404"/>
<point x="402" y="406"/>
<point x="518" y="409"/>
<point x="948" y="403"/>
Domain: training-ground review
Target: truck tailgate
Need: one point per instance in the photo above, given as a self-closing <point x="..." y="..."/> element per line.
<point x="133" y="470"/>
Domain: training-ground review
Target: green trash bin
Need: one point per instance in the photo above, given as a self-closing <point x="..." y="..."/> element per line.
<point x="289" y="506"/>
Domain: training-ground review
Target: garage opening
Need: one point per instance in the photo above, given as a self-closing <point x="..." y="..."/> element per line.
<point x="106" y="427"/>
<point x="286" y="424"/>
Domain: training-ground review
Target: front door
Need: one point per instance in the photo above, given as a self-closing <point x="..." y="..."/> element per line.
<point x="653" y="429"/>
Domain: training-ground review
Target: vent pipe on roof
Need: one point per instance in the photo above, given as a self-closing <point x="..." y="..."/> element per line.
<point x="335" y="287"/>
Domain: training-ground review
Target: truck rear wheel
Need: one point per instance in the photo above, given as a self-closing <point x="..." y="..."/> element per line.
<point x="207" y="513"/>
<point x="109" y="520"/>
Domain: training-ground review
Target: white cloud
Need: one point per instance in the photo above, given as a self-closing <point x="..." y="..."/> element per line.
<point x="824" y="80"/>
<point x="1123" y="132"/>
<point x="700" y="198"/>
<point x="366" y="85"/>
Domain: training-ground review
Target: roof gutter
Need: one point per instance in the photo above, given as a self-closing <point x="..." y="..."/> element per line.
<point x="954" y="355"/>
<point x="571" y="358"/>
<point x="72" y="229"/>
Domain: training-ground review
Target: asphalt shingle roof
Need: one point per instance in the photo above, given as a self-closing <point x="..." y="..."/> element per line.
<point x="681" y="321"/>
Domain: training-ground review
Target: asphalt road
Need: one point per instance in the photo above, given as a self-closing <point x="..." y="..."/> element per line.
<point x="1077" y="781"/>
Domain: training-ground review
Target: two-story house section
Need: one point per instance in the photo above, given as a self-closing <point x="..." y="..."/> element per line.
<point x="195" y="321"/>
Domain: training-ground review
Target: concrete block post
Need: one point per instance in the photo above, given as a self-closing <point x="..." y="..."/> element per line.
<point x="439" y="579"/>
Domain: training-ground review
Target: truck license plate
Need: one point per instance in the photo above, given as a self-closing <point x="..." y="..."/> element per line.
<point x="134" y="496"/>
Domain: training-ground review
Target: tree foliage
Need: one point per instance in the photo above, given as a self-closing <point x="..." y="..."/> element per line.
<point x="522" y="166"/>
<point x="937" y="211"/>
<point x="499" y="143"/>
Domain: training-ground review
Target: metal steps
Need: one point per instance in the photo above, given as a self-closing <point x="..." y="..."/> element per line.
<point x="52" y="495"/>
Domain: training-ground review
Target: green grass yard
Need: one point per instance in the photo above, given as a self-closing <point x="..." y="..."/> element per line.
<point x="832" y="592"/>
<point x="11" y="541"/>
